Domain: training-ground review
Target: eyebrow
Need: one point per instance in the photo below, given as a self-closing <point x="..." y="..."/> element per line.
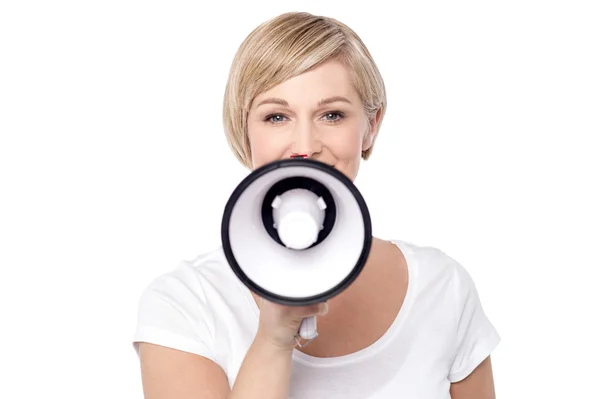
<point x="325" y="101"/>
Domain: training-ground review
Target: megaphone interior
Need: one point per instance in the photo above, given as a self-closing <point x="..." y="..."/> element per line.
<point x="296" y="232"/>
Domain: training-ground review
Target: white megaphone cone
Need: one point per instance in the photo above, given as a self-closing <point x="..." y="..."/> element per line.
<point x="296" y="232"/>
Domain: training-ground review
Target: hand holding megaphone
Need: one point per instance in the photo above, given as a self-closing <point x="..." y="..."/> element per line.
<point x="280" y="324"/>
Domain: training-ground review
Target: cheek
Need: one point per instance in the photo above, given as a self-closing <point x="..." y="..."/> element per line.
<point x="346" y="146"/>
<point x="265" y="148"/>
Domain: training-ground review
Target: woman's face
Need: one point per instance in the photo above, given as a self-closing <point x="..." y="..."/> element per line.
<point x="318" y="114"/>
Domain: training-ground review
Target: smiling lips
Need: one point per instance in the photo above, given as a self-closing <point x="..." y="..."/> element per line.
<point x="306" y="156"/>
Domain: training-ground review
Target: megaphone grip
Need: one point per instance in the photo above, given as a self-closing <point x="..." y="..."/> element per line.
<point x="308" y="328"/>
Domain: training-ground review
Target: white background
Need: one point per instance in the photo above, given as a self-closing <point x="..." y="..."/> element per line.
<point x="112" y="146"/>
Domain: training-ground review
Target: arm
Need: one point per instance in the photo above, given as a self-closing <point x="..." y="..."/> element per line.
<point x="169" y="373"/>
<point x="265" y="372"/>
<point x="478" y="385"/>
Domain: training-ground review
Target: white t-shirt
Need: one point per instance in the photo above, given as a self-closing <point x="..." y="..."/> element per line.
<point x="439" y="336"/>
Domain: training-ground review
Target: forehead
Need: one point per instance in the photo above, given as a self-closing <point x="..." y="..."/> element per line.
<point x="327" y="80"/>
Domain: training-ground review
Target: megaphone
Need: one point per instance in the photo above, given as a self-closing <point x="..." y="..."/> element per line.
<point x="296" y="232"/>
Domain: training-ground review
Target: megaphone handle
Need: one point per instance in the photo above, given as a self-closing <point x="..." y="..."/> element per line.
<point x="308" y="328"/>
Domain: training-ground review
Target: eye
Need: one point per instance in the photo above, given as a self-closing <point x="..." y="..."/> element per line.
<point x="274" y="118"/>
<point x="333" y="116"/>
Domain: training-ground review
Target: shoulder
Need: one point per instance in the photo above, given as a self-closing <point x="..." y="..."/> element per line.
<point x="432" y="263"/>
<point x="196" y="278"/>
<point x="182" y="308"/>
<point x="443" y="283"/>
<point x="441" y="280"/>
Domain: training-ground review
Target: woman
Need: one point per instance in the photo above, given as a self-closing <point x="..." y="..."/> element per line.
<point x="410" y="326"/>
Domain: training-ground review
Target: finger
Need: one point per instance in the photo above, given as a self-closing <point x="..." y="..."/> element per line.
<point x="318" y="309"/>
<point x="323" y="309"/>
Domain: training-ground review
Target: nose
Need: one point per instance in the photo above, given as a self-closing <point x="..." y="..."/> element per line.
<point x="305" y="140"/>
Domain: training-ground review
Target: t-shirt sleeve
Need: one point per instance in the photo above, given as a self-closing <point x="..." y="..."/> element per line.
<point x="476" y="336"/>
<point x="173" y="312"/>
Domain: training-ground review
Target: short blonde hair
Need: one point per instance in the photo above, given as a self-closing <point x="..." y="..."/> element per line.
<point x="286" y="46"/>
